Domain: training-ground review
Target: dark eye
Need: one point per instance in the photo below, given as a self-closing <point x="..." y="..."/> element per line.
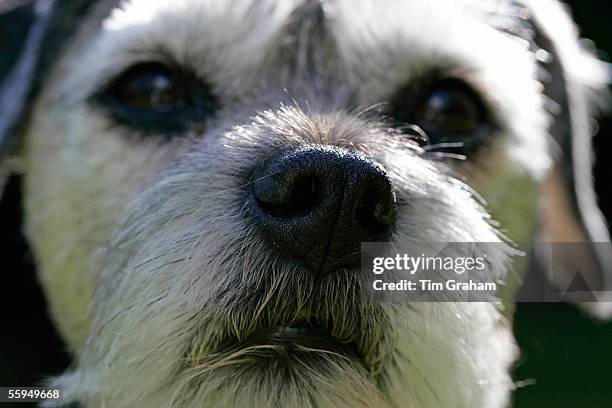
<point x="452" y="109"/>
<point x="448" y="111"/>
<point x="154" y="97"/>
<point x="151" y="87"/>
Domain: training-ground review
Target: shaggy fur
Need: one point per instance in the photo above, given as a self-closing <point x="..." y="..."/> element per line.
<point x="155" y="271"/>
<point x="177" y="284"/>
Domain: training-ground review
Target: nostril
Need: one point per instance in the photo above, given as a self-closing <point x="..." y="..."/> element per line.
<point x="375" y="212"/>
<point x="302" y="195"/>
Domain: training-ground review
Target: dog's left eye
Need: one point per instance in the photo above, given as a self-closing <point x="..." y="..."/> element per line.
<point x="155" y="98"/>
<point x="450" y="112"/>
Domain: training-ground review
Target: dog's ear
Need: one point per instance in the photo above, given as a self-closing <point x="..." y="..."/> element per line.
<point x="575" y="85"/>
<point x="23" y="25"/>
<point x="33" y="34"/>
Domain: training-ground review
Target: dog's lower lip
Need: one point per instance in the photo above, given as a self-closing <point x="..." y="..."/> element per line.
<point x="304" y="336"/>
<point x="291" y="333"/>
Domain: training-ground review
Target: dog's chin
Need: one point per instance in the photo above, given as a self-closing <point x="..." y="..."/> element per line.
<point x="296" y="341"/>
<point x="284" y="366"/>
<point x="296" y="362"/>
<point x="293" y="339"/>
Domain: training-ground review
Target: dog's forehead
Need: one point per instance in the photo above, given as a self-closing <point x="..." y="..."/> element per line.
<point x="378" y="47"/>
<point x="192" y="28"/>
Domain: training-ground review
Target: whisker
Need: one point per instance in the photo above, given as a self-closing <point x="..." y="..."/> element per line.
<point x="443" y="155"/>
<point x="260" y="178"/>
<point x="363" y="111"/>
<point x="443" y="146"/>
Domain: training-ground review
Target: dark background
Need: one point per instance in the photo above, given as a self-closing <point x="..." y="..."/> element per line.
<point x="566" y="355"/>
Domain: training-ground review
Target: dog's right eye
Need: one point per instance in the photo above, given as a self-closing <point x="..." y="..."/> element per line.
<point x="153" y="97"/>
<point x="151" y="87"/>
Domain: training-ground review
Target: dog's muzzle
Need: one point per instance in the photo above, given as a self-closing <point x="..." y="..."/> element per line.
<point x="316" y="204"/>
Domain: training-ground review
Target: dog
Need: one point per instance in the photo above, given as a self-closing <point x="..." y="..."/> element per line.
<point x="199" y="176"/>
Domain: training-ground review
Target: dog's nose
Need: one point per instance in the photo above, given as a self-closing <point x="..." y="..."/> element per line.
<point x="318" y="203"/>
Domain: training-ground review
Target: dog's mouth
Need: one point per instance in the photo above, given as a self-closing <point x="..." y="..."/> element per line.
<point x="334" y="322"/>
<point x="285" y="337"/>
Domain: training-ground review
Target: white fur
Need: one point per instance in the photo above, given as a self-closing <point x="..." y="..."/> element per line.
<point x="145" y="249"/>
<point x="184" y="242"/>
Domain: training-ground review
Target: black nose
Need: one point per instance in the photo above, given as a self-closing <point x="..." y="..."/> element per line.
<point x="317" y="204"/>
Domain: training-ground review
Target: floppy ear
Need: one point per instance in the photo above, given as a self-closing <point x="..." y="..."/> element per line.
<point x="32" y="35"/>
<point x="575" y="85"/>
<point x="22" y="28"/>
